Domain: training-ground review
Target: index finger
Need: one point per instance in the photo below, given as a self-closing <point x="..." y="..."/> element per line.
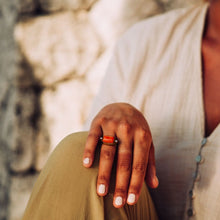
<point x="91" y="143"/>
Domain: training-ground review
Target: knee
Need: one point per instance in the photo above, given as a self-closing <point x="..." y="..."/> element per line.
<point x="70" y="149"/>
<point x="68" y="156"/>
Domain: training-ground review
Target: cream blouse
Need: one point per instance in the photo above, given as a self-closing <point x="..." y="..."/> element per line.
<point x="156" y="67"/>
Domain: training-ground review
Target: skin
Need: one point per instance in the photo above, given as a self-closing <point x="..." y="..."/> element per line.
<point x="135" y="143"/>
<point x="211" y="67"/>
<point x="136" y="161"/>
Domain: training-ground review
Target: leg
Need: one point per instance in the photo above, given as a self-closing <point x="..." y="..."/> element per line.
<point x="65" y="190"/>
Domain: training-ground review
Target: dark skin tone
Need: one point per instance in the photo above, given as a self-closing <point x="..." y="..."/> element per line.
<point x="211" y="68"/>
<point x="131" y="128"/>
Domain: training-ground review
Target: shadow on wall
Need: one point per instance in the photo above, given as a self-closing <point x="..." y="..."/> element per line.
<point x="32" y="140"/>
<point x="37" y="7"/>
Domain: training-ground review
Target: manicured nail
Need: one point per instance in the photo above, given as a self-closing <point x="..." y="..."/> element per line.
<point x="101" y="189"/>
<point x="118" y="200"/>
<point x="86" y="161"/>
<point x="131" y="198"/>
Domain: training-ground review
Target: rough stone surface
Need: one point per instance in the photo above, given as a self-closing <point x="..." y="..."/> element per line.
<point x="4" y="182"/>
<point x="42" y="145"/>
<point x="20" y="193"/>
<point x="70" y="103"/>
<point x="55" y="5"/>
<point x="27" y="6"/>
<point x="21" y="150"/>
<point x="28" y="123"/>
<point x="58" y="46"/>
<point x="8" y="15"/>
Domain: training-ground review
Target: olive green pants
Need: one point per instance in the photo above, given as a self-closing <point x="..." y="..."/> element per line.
<point x="65" y="190"/>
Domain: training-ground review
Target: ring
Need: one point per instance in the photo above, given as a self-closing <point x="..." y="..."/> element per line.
<point x="109" y="140"/>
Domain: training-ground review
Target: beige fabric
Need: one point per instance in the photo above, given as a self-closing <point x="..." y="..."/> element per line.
<point x="156" y="67"/>
<point x="65" y="190"/>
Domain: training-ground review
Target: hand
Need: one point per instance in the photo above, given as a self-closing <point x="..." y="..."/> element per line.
<point x="136" y="160"/>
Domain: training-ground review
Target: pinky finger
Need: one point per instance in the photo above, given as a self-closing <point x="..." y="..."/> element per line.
<point x="90" y="147"/>
<point x="151" y="177"/>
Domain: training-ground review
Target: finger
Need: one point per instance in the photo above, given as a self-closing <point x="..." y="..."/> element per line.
<point x="142" y="143"/>
<point x="151" y="177"/>
<point x="91" y="143"/>
<point x="107" y="155"/>
<point x="122" y="178"/>
<point x="124" y="164"/>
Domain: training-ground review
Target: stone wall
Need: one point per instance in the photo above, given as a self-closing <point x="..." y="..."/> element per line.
<point x="50" y="76"/>
<point x="8" y="16"/>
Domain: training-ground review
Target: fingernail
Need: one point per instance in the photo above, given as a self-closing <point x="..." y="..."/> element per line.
<point x="86" y="161"/>
<point x="131" y="198"/>
<point x="101" y="189"/>
<point x="118" y="200"/>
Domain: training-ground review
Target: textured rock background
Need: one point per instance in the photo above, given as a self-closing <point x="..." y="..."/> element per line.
<point x="8" y="15"/>
<point x="50" y="76"/>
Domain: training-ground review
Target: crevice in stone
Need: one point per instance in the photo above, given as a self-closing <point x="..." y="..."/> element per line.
<point x="28" y="84"/>
<point x="5" y="181"/>
<point x="29" y="120"/>
<point x="161" y="5"/>
<point x="31" y="171"/>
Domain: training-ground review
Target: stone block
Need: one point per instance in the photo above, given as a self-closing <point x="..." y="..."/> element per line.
<point x="42" y="145"/>
<point x="65" y="109"/>
<point x="21" y="187"/>
<point x="27" y="6"/>
<point x="8" y="56"/>
<point x="59" y="46"/>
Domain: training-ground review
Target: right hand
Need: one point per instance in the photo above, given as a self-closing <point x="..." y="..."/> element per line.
<point x="136" y="161"/>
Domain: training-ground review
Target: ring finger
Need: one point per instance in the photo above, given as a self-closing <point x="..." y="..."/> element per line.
<point x="107" y="155"/>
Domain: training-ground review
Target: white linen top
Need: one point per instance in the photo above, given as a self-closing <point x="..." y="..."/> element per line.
<point x="157" y="67"/>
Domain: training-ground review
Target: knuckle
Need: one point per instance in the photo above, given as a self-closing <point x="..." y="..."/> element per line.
<point x="92" y="136"/>
<point x="125" y="127"/>
<point x="102" y="120"/>
<point x="120" y="190"/>
<point x="139" y="168"/>
<point x="102" y="179"/>
<point x="88" y="152"/>
<point x="113" y="123"/>
<point x="144" y="135"/>
<point x="125" y="165"/>
<point x="109" y="122"/>
<point x="107" y="154"/>
<point x="135" y="189"/>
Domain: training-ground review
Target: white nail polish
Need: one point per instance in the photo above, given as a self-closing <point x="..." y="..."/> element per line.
<point x="86" y="161"/>
<point x="131" y="198"/>
<point x="118" y="200"/>
<point x="101" y="189"/>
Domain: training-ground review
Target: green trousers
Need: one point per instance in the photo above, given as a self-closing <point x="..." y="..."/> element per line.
<point x="65" y="190"/>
